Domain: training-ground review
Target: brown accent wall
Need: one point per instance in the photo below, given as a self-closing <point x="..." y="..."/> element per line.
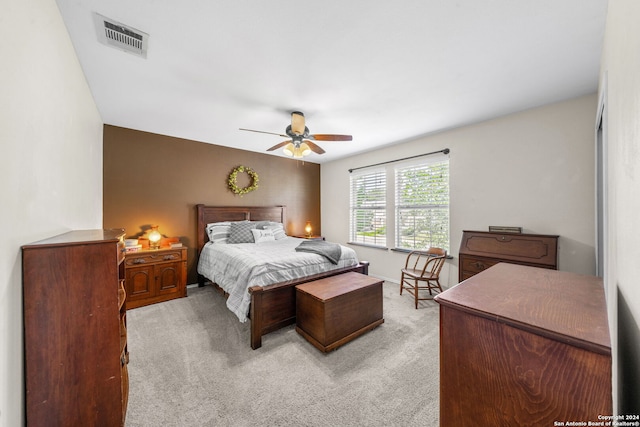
<point x="157" y="179"/>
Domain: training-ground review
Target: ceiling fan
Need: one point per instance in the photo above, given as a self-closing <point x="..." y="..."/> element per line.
<point x="301" y="144"/>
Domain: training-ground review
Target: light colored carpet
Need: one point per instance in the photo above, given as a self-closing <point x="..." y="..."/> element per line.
<point x="191" y="365"/>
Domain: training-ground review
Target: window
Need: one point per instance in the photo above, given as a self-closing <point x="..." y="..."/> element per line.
<point x="368" y="208"/>
<point x="417" y="218"/>
<point x="422" y="205"/>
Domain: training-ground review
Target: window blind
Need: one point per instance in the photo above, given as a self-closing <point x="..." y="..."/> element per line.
<point x="368" y="206"/>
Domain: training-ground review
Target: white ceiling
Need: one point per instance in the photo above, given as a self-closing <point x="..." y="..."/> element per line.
<point x="382" y="71"/>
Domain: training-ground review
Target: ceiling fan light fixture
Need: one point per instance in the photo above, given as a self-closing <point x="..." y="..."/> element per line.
<point x="289" y="149"/>
<point x="297" y="151"/>
<point x="305" y="150"/>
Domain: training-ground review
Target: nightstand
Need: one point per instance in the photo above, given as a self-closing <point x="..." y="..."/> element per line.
<point x="310" y="237"/>
<point x="155" y="275"/>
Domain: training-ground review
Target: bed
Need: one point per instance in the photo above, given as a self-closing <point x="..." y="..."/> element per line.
<point x="269" y="300"/>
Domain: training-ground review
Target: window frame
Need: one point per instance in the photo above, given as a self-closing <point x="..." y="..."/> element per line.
<point x="388" y="170"/>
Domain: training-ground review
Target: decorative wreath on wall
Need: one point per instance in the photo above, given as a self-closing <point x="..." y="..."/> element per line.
<point x="233" y="180"/>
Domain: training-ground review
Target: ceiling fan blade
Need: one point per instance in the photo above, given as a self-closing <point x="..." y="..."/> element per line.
<point x="297" y="123"/>
<point x="269" y="133"/>
<point x="316" y="149"/>
<point x="324" y="137"/>
<point x="282" y="144"/>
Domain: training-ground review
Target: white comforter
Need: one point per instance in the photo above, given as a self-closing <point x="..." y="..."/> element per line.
<point x="237" y="267"/>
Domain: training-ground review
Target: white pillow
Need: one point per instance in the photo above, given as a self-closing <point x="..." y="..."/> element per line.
<point x="278" y="230"/>
<point x="260" y="236"/>
<point x="218" y="232"/>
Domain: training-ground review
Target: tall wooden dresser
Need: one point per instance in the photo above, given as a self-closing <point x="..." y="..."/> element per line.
<point x="480" y="250"/>
<point x="524" y="346"/>
<point x="75" y="330"/>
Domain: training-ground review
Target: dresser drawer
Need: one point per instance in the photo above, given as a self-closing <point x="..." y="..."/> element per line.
<point x="145" y="257"/>
<point x="476" y="265"/>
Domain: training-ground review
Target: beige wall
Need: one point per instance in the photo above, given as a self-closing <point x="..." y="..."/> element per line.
<point x="51" y="175"/>
<point x="532" y="169"/>
<point x="156" y="179"/>
<point x="620" y="93"/>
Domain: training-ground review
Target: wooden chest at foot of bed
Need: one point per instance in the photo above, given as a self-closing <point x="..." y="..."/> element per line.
<point x="335" y="310"/>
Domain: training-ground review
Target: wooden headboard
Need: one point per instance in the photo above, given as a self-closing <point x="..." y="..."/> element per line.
<point x="209" y="214"/>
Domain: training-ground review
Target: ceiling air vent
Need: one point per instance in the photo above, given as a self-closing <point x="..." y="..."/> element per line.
<point x="120" y="36"/>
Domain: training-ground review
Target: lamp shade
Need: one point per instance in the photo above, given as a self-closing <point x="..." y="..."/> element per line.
<point x="289" y="149"/>
<point x="154" y="237"/>
<point x="305" y="150"/>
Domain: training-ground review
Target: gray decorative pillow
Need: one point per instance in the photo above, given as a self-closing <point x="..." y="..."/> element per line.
<point x="240" y="232"/>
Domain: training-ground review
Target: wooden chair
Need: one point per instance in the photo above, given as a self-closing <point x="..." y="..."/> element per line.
<point x="423" y="266"/>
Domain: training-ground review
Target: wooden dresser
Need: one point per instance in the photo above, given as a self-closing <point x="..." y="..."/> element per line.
<point x="524" y="346"/>
<point x="155" y="275"/>
<point x="480" y="250"/>
<point x="75" y="330"/>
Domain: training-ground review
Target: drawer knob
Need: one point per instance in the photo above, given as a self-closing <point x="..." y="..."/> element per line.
<point x="139" y="261"/>
<point x="480" y="265"/>
<point x="169" y="257"/>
